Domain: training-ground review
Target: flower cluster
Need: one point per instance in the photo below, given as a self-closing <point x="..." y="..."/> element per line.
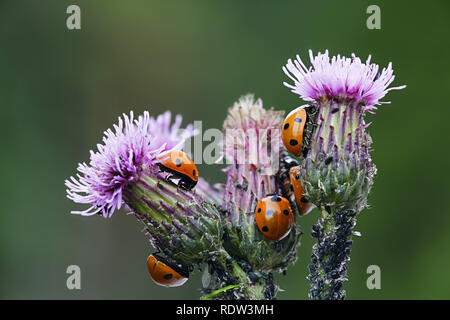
<point x="246" y="229"/>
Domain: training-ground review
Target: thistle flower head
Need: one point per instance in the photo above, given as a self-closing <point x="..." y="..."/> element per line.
<point x="347" y="80"/>
<point x="337" y="170"/>
<point x="248" y="114"/>
<point x="133" y="146"/>
<point x="252" y="147"/>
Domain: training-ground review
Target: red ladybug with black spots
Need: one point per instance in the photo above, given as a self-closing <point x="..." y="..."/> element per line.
<point x="181" y="167"/>
<point x="292" y="130"/>
<point x="274" y="217"/>
<point x="165" y="274"/>
<point x="304" y="206"/>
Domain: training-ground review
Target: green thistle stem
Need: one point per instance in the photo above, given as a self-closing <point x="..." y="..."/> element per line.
<point x="229" y="281"/>
<point x="328" y="268"/>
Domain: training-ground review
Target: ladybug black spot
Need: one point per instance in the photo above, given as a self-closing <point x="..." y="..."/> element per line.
<point x="293" y="142"/>
<point x="194" y="173"/>
<point x="269" y="213"/>
<point x="276" y="199"/>
<point x="286" y="126"/>
<point x="298" y="120"/>
<point x="286" y="212"/>
<point x="304" y="200"/>
<point x="259" y="210"/>
<point x="297" y="177"/>
<point x="168" y="276"/>
<point x="305" y="152"/>
<point x="265" y="229"/>
<point x="178" y="162"/>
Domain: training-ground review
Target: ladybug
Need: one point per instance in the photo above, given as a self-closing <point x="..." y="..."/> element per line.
<point x="292" y="130"/>
<point x="304" y="206"/>
<point x="165" y="274"/>
<point x="180" y="166"/>
<point x="274" y="217"/>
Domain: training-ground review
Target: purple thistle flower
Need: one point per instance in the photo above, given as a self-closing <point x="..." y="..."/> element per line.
<point x="166" y="134"/>
<point x="252" y="145"/>
<point x="133" y="146"/>
<point x="345" y="79"/>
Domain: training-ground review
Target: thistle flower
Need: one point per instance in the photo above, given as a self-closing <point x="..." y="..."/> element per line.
<point x="124" y="170"/>
<point x="252" y="146"/>
<point x="131" y="148"/>
<point x="337" y="172"/>
<point x="347" y="80"/>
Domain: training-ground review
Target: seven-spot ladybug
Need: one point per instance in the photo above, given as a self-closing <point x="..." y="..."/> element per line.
<point x="292" y="130"/>
<point x="181" y="167"/>
<point x="274" y="217"/>
<point x="304" y="206"/>
<point x="166" y="275"/>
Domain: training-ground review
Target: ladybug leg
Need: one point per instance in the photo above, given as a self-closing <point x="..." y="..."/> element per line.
<point x="170" y="178"/>
<point x="181" y="184"/>
<point x="186" y="185"/>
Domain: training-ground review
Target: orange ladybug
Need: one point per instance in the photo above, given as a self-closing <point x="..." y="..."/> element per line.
<point x="292" y="130"/>
<point x="304" y="206"/>
<point x="165" y="275"/>
<point x="181" y="167"/>
<point x="274" y="217"/>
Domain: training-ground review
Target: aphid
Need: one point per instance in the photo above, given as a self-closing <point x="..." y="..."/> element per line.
<point x="165" y="274"/>
<point x="274" y="217"/>
<point x="181" y="167"/>
<point x="292" y="130"/>
<point x="304" y="206"/>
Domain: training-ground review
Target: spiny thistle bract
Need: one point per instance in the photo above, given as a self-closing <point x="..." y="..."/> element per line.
<point x="337" y="171"/>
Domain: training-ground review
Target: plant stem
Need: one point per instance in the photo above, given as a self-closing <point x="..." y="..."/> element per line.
<point x="328" y="268"/>
<point x="215" y="293"/>
<point x="225" y="272"/>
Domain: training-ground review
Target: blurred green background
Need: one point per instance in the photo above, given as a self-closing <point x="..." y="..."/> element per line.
<point x="60" y="89"/>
